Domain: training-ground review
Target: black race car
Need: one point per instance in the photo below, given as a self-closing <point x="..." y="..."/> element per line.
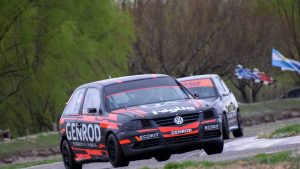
<point x="212" y="88"/>
<point x="136" y="117"/>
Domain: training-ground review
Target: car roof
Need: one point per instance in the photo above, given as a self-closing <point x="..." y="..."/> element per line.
<point x="111" y="81"/>
<point x="198" y="77"/>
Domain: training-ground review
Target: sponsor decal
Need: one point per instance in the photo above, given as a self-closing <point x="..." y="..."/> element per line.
<point x="85" y="133"/>
<point x="157" y="105"/>
<point x="174" y="110"/>
<point x="181" y="131"/>
<point x="212" y="127"/>
<point x="198" y="83"/>
<point x="149" y="136"/>
<point x="85" y="144"/>
<point x="178" y="120"/>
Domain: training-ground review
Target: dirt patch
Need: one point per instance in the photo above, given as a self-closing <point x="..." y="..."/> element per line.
<point x="270" y="117"/>
<point x="25" y="156"/>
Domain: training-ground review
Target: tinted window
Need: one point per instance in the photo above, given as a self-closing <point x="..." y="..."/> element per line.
<point x="74" y="104"/>
<point x="91" y="100"/>
<point x="142" y="92"/>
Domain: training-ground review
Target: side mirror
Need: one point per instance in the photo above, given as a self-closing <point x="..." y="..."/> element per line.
<point x="221" y="96"/>
<point x="196" y="95"/>
<point x="92" y="110"/>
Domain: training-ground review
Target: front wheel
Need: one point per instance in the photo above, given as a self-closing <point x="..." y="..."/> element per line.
<point x="225" y="128"/>
<point x="240" y="131"/>
<point x="115" y="153"/>
<point x="68" y="156"/>
<point x="214" y="148"/>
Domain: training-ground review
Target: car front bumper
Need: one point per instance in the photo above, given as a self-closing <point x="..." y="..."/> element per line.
<point x="170" y="140"/>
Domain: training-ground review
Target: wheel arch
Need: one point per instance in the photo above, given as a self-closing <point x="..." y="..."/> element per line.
<point x="108" y="133"/>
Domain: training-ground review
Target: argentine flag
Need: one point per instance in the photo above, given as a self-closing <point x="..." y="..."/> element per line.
<point x="278" y="60"/>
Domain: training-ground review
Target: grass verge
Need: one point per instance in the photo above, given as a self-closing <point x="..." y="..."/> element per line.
<point x="31" y="143"/>
<point x="270" y="111"/>
<point x="280" y="105"/>
<point x="32" y="163"/>
<point x="265" y="161"/>
<point x="286" y="131"/>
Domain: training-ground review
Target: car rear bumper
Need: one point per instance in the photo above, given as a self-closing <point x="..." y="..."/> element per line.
<point x="150" y="142"/>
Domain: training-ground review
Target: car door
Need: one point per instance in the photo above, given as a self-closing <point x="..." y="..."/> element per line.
<point x="232" y="105"/>
<point x="71" y="114"/>
<point x="89" y="121"/>
<point x="226" y="100"/>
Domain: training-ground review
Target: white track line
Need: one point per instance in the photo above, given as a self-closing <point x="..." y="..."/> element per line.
<point x="255" y="143"/>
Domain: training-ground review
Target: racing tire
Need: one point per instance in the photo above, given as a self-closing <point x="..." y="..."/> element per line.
<point x="115" y="153"/>
<point x="225" y="129"/>
<point x="214" y="148"/>
<point x="163" y="157"/>
<point x="68" y="156"/>
<point x="240" y="131"/>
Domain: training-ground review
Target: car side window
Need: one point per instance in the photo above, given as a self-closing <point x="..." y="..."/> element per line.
<point x="91" y="100"/>
<point x="225" y="87"/>
<point x="219" y="86"/>
<point x="74" y="104"/>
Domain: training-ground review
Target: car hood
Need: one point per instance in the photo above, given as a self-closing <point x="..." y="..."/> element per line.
<point x="164" y="109"/>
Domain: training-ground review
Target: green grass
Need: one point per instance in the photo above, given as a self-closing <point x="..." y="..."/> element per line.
<point x="266" y="159"/>
<point x="272" y="158"/>
<point x="286" y="131"/>
<point x="269" y="107"/>
<point x="34" y="142"/>
<point x="32" y="163"/>
<point x="189" y="164"/>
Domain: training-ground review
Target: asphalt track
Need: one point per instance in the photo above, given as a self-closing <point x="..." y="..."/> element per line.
<point x="235" y="148"/>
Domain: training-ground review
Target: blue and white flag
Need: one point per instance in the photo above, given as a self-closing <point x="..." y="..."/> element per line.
<point x="278" y="60"/>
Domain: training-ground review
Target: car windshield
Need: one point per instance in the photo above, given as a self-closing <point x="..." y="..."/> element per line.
<point x="141" y="92"/>
<point x="204" y="88"/>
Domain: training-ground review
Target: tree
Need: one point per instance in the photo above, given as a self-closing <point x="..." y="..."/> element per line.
<point x="200" y="37"/>
<point x="51" y="47"/>
<point x="288" y="12"/>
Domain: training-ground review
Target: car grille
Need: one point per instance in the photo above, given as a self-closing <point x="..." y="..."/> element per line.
<point x="146" y="143"/>
<point x="211" y="134"/>
<point x="169" y="121"/>
<point x="182" y="139"/>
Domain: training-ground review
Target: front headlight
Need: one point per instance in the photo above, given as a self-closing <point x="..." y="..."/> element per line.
<point x="136" y="125"/>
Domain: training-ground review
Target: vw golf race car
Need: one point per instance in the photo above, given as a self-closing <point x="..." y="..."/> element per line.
<point x="136" y="117"/>
<point x="213" y="89"/>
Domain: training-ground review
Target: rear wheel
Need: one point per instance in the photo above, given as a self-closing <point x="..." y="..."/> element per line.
<point x="225" y="129"/>
<point x="163" y="157"/>
<point x="240" y="131"/>
<point x="214" y="148"/>
<point x="115" y="153"/>
<point x="68" y="156"/>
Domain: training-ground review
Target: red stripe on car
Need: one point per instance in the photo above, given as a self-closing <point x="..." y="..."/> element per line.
<point x="126" y="141"/>
<point x="189" y="126"/>
<point x="177" y="135"/>
<point x="209" y="121"/>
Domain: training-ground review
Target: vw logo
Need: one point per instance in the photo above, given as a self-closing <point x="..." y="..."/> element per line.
<point x="178" y="120"/>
